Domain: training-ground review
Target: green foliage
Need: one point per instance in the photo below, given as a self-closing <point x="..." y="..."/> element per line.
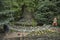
<point x="7" y="10"/>
<point x="41" y="10"/>
<point x="59" y="22"/>
<point x="47" y="11"/>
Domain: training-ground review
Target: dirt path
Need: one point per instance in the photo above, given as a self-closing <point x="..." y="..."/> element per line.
<point x="15" y="34"/>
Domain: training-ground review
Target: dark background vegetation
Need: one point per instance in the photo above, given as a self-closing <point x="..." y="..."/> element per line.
<point x="42" y="11"/>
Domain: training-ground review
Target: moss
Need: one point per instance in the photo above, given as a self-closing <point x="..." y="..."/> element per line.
<point x="34" y="23"/>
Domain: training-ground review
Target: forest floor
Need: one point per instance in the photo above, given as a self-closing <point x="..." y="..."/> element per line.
<point x="24" y="31"/>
